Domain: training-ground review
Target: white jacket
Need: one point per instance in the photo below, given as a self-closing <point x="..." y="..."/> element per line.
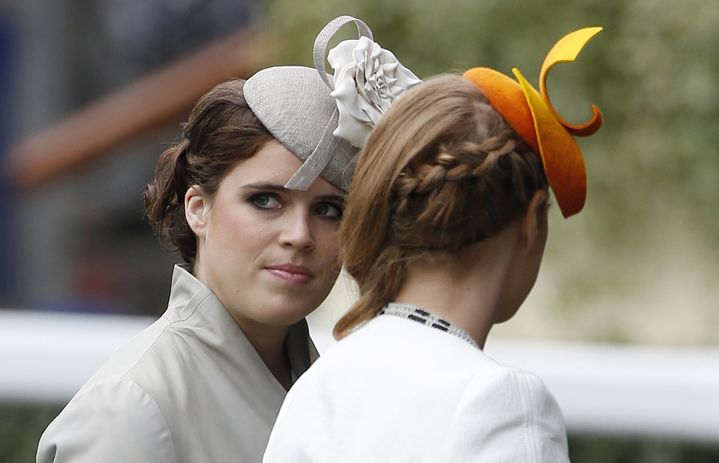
<point x="399" y="391"/>
<point x="190" y="388"/>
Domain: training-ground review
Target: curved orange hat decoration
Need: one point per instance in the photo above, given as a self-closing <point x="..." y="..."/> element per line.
<point x="531" y="114"/>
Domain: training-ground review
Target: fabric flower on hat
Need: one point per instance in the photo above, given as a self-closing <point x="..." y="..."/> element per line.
<point x="367" y="79"/>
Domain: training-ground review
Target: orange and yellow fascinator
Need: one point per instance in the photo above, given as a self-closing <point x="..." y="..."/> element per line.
<point x="532" y="116"/>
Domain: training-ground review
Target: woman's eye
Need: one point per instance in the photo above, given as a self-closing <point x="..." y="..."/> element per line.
<point x="265" y="201"/>
<point x="329" y="210"/>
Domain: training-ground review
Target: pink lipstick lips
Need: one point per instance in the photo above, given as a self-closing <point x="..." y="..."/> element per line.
<point x="296" y="274"/>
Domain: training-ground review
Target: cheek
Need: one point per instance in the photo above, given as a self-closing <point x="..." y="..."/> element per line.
<point x="241" y="230"/>
<point x="328" y="248"/>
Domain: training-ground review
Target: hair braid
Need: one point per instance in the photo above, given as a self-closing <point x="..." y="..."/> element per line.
<point x="466" y="161"/>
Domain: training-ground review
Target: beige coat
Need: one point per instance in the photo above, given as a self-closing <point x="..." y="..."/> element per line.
<point x="189" y="388"/>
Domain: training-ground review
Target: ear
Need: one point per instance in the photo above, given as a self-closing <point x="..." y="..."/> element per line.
<point x="197" y="210"/>
<point x="534" y="223"/>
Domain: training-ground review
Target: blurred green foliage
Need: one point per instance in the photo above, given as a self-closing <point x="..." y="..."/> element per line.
<point x="654" y="71"/>
<point x="596" y="449"/>
<point x="653" y="168"/>
<point x="21" y="426"/>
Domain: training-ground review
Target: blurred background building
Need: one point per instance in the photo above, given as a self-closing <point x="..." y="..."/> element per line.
<point x="84" y="245"/>
<point x="639" y="266"/>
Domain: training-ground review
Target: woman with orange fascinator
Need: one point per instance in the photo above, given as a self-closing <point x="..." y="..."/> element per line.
<point x="444" y="232"/>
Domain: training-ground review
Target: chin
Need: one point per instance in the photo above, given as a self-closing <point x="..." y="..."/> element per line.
<point x="286" y="313"/>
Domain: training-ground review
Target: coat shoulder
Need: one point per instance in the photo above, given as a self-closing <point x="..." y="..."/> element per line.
<point x="110" y="421"/>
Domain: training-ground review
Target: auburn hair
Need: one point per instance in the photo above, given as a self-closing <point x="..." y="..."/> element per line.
<point x="441" y="170"/>
<point x="221" y="131"/>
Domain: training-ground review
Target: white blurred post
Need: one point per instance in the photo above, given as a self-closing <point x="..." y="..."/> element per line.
<point x="602" y="389"/>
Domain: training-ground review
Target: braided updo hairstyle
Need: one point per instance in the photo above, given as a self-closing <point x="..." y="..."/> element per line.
<point x="221" y="131"/>
<point x="442" y="170"/>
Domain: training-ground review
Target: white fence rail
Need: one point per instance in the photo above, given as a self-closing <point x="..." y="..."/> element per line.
<point x="628" y="390"/>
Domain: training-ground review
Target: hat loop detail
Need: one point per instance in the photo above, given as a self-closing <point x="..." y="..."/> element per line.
<point x="326" y="34"/>
<point x="566" y="50"/>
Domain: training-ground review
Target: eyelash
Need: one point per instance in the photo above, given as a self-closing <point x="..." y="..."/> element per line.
<point x="257" y="198"/>
<point x="338" y="207"/>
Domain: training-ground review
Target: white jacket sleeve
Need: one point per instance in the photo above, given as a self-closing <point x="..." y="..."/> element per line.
<point x="512" y="418"/>
<point x="109" y="422"/>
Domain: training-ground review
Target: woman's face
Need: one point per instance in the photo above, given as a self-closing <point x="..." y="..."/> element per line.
<point x="269" y="254"/>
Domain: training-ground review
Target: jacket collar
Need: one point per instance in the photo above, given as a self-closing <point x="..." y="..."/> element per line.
<point x="194" y="306"/>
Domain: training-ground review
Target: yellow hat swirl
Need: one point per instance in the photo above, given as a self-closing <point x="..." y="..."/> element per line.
<point x="531" y="114"/>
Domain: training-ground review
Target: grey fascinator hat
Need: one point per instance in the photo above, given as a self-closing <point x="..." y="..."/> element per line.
<point x="325" y="119"/>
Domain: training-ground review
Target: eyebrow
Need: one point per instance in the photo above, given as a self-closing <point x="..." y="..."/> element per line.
<point x="265" y="186"/>
<point x="268" y="186"/>
<point x="332" y="197"/>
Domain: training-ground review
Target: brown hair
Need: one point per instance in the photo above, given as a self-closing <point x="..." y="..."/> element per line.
<point x="221" y="131"/>
<point x="441" y="170"/>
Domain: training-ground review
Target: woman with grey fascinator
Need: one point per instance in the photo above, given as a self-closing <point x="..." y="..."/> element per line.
<point x="252" y="198"/>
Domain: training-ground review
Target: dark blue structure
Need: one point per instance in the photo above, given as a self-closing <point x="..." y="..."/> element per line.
<point x="7" y="49"/>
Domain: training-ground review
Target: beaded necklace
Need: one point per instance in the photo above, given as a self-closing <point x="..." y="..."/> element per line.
<point x="426" y="318"/>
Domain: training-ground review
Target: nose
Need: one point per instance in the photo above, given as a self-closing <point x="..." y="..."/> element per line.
<point x="297" y="231"/>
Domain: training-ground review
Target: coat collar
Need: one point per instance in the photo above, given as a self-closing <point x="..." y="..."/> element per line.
<point x="194" y="306"/>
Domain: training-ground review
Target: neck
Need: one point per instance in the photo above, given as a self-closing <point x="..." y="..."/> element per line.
<point x="267" y="340"/>
<point x="464" y="290"/>
<point x="269" y="343"/>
